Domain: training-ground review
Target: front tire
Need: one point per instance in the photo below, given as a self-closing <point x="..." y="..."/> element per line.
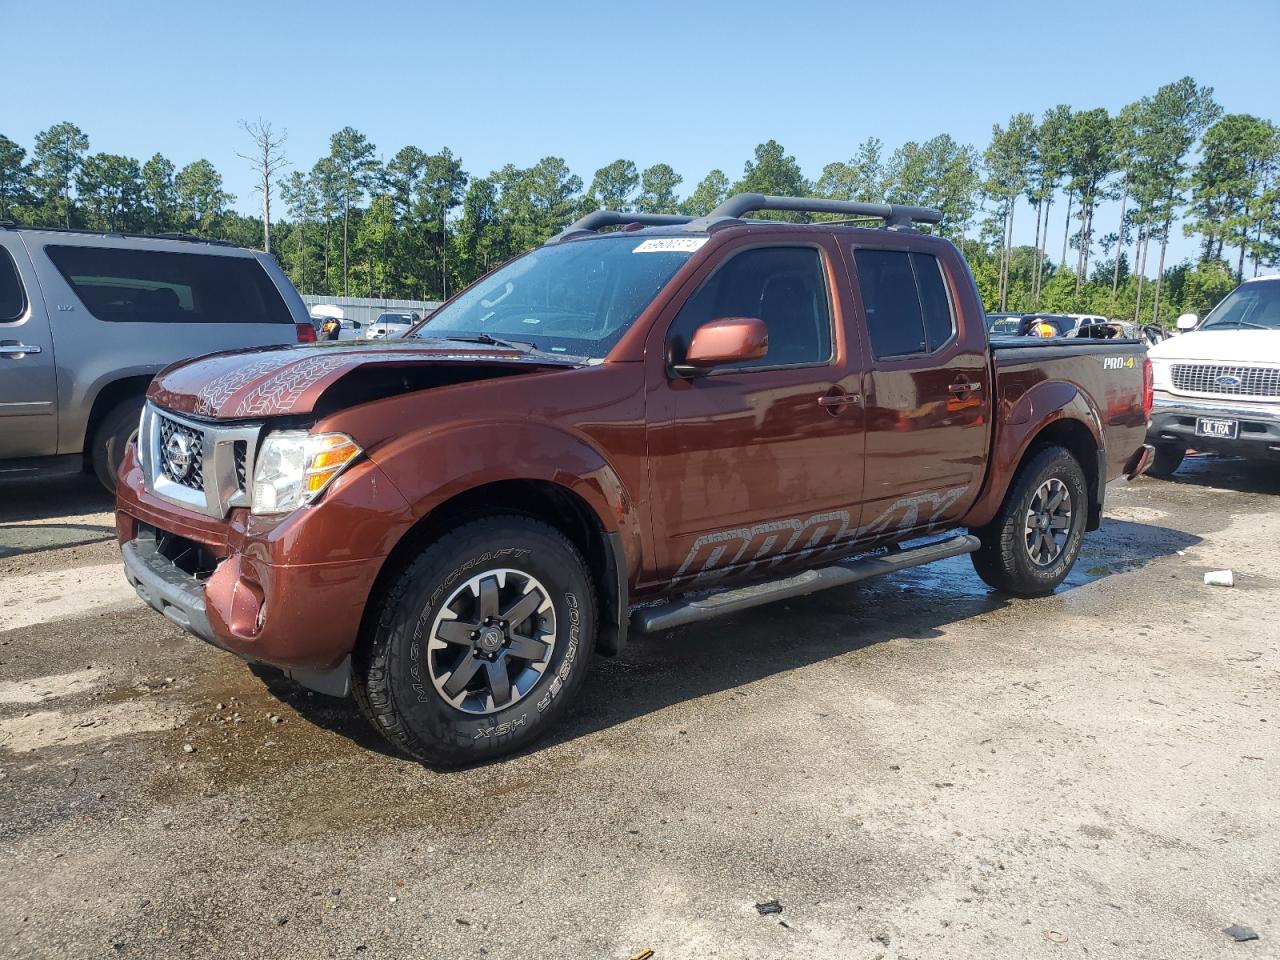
<point x="479" y="644"/>
<point x="1030" y="546"/>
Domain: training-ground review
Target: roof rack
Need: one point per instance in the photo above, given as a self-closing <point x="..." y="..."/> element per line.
<point x="184" y="237"/>
<point x="597" y="219"/>
<point x="896" y="216"/>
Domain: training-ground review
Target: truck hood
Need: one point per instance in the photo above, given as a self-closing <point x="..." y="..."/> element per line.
<point x="1234" y="346"/>
<point x="246" y="384"/>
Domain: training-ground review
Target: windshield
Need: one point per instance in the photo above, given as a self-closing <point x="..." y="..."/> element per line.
<point x="573" y="298"/>
<point x="1251" y="306"/>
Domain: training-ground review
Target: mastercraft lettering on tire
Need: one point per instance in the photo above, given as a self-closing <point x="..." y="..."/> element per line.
<point x="448" y="526"/>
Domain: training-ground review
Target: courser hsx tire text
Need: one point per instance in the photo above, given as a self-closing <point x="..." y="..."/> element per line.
<point x="1030" y="546"/>
<point x="477" y="646"/>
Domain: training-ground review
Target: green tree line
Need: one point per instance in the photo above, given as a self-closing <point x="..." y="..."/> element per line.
<point x="418" y="225"/>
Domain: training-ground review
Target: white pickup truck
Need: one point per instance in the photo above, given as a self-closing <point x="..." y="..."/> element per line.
<point x="1217" y="386"/>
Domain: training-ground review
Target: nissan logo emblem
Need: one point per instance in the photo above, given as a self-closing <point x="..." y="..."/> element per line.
<point x="177" y="452"/>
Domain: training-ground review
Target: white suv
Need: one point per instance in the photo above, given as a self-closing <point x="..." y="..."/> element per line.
<point x="1217" y="386"/>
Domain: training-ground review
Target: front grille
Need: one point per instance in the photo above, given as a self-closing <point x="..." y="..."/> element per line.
<point x="202" y="465"/>
<point x="241" y="456"/>
<point x="1239" y="381"/>
<point x="182" y="454"/>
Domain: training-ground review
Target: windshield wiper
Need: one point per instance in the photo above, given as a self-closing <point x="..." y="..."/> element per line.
<point x="491" y="341"/>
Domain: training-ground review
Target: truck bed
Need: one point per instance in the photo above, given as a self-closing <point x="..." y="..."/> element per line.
<point x="1046" y="347"/>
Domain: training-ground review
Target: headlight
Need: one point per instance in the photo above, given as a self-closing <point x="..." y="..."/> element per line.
<point x="293" y="468"/>
<point x="1160" y="370"/>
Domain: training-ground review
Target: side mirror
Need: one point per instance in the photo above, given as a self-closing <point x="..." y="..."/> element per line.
<point x="1188" y="321"/>
<point x="728" y="340"/>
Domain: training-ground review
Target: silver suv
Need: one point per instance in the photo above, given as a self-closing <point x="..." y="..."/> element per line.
<point x="87" y="319"/>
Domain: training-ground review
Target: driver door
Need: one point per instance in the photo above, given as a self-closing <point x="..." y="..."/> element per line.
<point x="755" y="463"/>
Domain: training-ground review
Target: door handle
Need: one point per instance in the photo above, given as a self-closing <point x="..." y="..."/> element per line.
<point x="964" y="386"/>
<point x="16" y="349"/>
<point x="838" y="399"/>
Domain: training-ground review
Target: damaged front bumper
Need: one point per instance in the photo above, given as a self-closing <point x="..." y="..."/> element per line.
<point x="181" y="598"/>
<point x="269" y="591"/>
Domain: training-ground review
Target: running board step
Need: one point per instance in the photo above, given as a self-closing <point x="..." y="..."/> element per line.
<point x="678" y="613"/>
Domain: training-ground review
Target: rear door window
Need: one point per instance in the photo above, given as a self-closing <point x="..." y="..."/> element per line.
<point x="13" y="300"/>
<point x="147" y="286"/>
<point x="906" y="303"/>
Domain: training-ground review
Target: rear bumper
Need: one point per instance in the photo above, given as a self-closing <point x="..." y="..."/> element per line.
<point x="1173" y="421"/>
<point x="1137" y="464"/>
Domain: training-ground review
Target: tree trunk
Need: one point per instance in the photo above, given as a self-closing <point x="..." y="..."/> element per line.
<point x="1087" y="241"/>
<point x="1066" y="229"/>
<point x="328" y="242"/>
<point x="1257" y="250"/>
<point x="1240" y="268"/>
<point x="1140" y="267"/>
<point x="1035" y="267"/>
<point x="1044" y="247"/>
<point x="1008" y="244"/>
<point x="1164" y="246"/>
<point x="1115" y="271"/>
<point x="302" y="258"/>
<point x="1004" y="259"/>
<point x="444" y="257"/>
<point x="346" y="217"/>
<point x="266" y="212"/>
<point x="1084" y="215"/>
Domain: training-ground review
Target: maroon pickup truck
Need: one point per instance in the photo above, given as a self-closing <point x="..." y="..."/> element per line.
<point x="646" y="422"/>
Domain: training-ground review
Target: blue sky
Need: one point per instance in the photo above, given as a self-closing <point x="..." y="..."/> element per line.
<point x="696" y="85"/>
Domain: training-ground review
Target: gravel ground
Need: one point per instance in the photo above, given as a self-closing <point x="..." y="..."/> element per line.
<point x="912" y="767"/>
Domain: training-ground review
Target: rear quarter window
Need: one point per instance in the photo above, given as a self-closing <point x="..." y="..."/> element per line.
<point x="147" y="286"/>
<point x="13" y="299"/>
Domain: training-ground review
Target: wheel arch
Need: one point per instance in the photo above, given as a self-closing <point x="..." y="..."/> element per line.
<point x="105" y="400"/>
<point x="1052" y="412"/>
<point x="552" y="503"/>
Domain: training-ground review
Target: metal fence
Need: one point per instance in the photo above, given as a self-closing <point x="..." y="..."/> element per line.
<point x="367" y="309"/>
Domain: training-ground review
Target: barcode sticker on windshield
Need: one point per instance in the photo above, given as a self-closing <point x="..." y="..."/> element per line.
<point x="670" y="245"/>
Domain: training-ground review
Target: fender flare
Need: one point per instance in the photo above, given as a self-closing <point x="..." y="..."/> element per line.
<point x="430" y="471"/>
<point x="1047" y="403"/>
<point x="474" y="454"/>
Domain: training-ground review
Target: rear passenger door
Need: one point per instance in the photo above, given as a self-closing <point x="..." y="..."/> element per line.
<point x="927" y="390"/>
<point x="28" y="378"/>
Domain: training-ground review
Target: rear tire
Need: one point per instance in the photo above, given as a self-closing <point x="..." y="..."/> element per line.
<point x="1168" y="458"/>
<point x="1030" y="546"/>
<point x="111" y="437"/>
<point x="504" y="605"/>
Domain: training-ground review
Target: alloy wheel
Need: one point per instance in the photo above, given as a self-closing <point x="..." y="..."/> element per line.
<point x="1048" y="525"/>
<point x="491" y="641"/>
